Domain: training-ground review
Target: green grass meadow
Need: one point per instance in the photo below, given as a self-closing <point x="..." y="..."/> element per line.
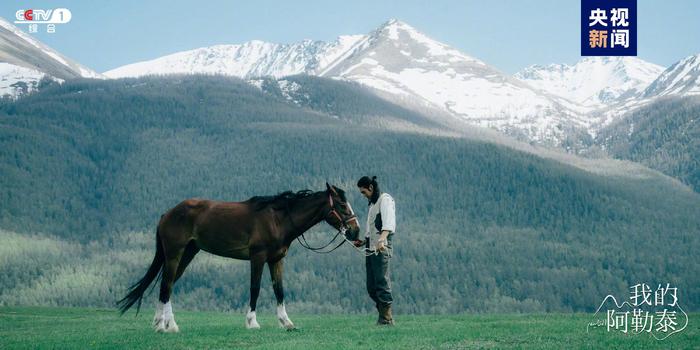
<point x="81" y="328"/>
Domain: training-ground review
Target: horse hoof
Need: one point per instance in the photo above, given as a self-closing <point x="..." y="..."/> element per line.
<point x="286" y="324"/>
<point x="252" y="325"/>
<point x="167" y="326"/>
<point x="251" y="321"/>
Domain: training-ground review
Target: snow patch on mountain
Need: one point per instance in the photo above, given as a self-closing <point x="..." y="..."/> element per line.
<point x="338" y="51"/>
<point x="682" y="78"/>
<point x="16" y="81"/>
<point x="679" y="80"/>
<point x="593" y="82"/>
<point x="254" y="58"/>
<point x="290" y="91"/>
<point x="251" y="59"/>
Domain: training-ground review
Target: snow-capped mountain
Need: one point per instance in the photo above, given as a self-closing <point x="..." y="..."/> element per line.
<point x="395" y="59"/>
<point x="251" y="59"/>
<point x="593" y="82"/>
<point x="545" y="104"/>
<point x="681" y="79"/>
<point x="24" y="61"/>
<point x="399" y="60"/>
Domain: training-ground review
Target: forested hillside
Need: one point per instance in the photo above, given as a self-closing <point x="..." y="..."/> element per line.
<point x="90" y="165"/>
<point x="664" y="136"/>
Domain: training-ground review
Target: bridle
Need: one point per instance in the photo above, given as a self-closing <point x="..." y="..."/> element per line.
<point x="343" y="222"/>
<point x="342" y="228"/>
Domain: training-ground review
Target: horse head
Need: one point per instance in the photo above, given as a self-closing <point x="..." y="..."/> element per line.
<point x="340" y="215"/>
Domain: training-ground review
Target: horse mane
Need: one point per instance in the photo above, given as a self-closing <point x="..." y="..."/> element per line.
<point x="285" y="199"/>
<point x="281" y="200"/>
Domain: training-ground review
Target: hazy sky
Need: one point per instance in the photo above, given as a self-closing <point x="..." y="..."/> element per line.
<point x="507" y="34"/>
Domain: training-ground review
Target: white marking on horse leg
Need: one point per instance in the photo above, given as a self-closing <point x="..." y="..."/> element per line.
<point x="167" y="323"/>
<point x="251" y="321"/>
<point x="158" y="317"/>
<point x="282" y="317"/>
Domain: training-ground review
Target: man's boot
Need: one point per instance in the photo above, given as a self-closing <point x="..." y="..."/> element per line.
<point x="385" y="317"/>
<point x="388" y="314"/>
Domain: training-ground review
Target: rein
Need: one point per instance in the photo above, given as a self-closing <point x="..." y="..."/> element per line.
<point x="365" y="251"/>
<point x="341" y="231"/>
<point x="306" y="245"/>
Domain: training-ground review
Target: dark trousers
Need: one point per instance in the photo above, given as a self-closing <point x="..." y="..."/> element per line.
<point x="378" y="281"/>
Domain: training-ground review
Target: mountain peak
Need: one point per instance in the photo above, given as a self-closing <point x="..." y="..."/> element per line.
<point x="682" y="78"/>
<point x="394" y="22"/>
<point x="393" y="27"/>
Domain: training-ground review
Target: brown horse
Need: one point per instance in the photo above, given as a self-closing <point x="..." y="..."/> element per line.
<point x="260" y="229"/>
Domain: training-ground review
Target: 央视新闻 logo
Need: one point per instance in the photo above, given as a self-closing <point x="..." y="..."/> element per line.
<point x="608" y="27"/>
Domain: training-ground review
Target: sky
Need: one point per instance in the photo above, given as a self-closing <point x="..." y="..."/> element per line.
<point x="507" y="34"/>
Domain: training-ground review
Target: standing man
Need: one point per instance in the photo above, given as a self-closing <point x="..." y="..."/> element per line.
<point x="381" y="224"/>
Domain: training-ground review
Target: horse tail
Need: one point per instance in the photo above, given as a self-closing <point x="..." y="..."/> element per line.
<point x="154" y="272"/>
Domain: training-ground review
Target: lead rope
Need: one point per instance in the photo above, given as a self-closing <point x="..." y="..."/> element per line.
<point x="364" y="251"/>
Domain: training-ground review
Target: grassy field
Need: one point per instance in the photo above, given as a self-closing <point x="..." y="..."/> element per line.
<point x="78" y="328"/>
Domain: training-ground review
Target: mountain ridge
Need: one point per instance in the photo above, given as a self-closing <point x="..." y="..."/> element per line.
<point x="555" y="105"/>
<point x="394" y="58"/>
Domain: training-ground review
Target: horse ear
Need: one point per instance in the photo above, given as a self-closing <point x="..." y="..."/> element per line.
<point x="328" y="187"/>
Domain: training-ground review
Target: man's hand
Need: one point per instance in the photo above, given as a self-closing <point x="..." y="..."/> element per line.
<point x="381" y="245"/>
<point x="381" y="242"/>
<point x="358" y="243"/>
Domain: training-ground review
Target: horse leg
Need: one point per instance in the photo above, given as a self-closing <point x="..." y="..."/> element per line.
<point x="190" y="251"/>
<point x="257" y="263"/>
<point x="276" y="269"/>
<point x="165" y="322"/>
